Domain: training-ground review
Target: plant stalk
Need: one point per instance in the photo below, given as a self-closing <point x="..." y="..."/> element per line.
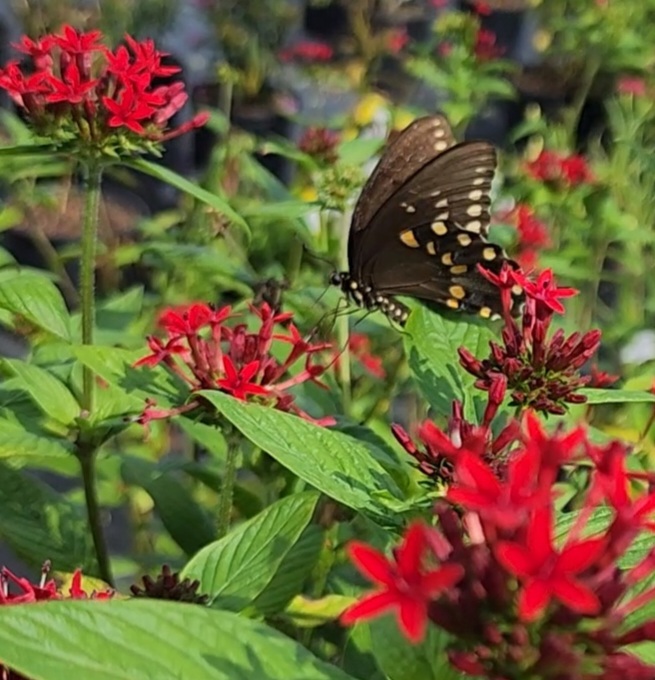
<point x="227" y="488"/>
<point x="87" y="458"/>
<point x="92" y="178"/>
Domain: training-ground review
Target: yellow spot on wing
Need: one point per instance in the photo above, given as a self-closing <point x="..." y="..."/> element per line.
<point x="408" y="238"/>
<point x="457" y="292"/>
<point x="439" y="228"/>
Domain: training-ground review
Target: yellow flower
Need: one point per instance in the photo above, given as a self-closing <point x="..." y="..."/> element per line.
<point x="308" y="194"/>
<point x="367" y="107"/>
<point x="402" y="119"/>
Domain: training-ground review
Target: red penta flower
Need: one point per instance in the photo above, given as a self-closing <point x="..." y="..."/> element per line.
<point x="207" y="352"/>
<point x="89" y="99"/>
<point x="549" y="574"/>
<point x="559" y="169"/>
<point x="542" y="373"/>
<point x="405" y="583"/>
<point x="485" y="48"/>
<point x="308" y="51"/>
<point x="77" y="592"/>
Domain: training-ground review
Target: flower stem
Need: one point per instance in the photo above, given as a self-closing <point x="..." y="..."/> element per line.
<point x="229" y="480"/>
<point x="87" y="458"/>
<point x="92" y="177"/>
<point x="343" y="327"/>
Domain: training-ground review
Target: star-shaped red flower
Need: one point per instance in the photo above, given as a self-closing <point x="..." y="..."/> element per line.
<point x="404" y="583"/>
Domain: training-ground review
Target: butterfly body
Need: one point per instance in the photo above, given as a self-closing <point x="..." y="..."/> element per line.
<point x="419" y="227"/>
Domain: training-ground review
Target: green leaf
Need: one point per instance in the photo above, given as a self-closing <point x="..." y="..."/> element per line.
<point x="336" y="464"/>
<point x="35" y="298"/>
<point x="187" y="523"/>
<point x="282" y="209"/>
<point x="144" y="640"/>
<point x="600" y="396"/>
<point x="431" y="344"/>
<point x="358" y="151"/>
<point x="41" y="525"/>
<point x="400" y="660"/>
<point x="165" y="175"/>
<point x="116" y="366"/>
<point x="16" y="441"/>
<point x="22" y="150"/>
<point x="52" y="396"/>
<point x="238" y="568"/>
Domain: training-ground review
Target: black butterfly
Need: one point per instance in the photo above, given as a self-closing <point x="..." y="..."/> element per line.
<point x="419" y="227"/>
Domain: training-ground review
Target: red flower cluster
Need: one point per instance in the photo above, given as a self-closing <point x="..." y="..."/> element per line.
<point x="560" y="169"/>
<point x="307" y="51"/>
<point x="631" y="85"/>
<point x="45" y="589"/>
<point x="516" y="601"/>
<point x="485" y="48"/>
<point x="397" y="40"/>
<point x="532" y="235"/>
<point x="441" y="449"/>
<point x="320" y="143"/>
<point x="76" y="91"/>
<point x="359" y="345"/>
<point x="541" y="373"/>
<point x="205" y="353"/>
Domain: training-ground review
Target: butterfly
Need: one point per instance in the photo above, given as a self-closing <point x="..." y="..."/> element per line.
<point x="420" y="224"/>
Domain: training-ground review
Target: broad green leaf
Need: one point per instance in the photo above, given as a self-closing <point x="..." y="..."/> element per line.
<point x="213" y="200"/>
<point x="601" y="396"/>
<point x="148" y="640"/>
<point x="35" y="298"/>
<point x="400" y="660"/>
<point x="116" y="366"/>
<point x="41" y="525"/>
<point x="276" y="210"/>
<point x="307" y="613"/>
<point x="188" y="524"/>
<point x="16" y="441"/>
<point x="431" y="344"/>
<point x="358" y="151"/>
<point x="336" y="464"/>
<point x="52" y="396"/>
<point x="238" y="568"/>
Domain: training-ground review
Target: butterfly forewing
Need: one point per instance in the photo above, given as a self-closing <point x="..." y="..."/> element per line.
<point x="414" y="147"/>
<point x="420" y="224"/>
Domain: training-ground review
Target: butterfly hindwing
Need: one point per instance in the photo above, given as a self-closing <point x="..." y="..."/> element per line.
<point x="414" y="147"/>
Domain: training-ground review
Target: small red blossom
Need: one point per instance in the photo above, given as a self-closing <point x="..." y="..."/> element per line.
<point x="541" y="373"/>
<point x="601" y="379"/>
<point x="397" y="40"/>
<point x="560" y="170"/>
<point x="631" y="85"/>
<point x="360" y="347"/>
<point x="485" y="48"/>
<point x="308" y="51"/>
<point x="208" y="352"/>
<point x="547" y="573"/>
<point x="481" y="8"/>
<point x="404" y="582"/>
<point x="85" y="96"/>
<point x="320" y="143"/>
<point x="544" y="291"/>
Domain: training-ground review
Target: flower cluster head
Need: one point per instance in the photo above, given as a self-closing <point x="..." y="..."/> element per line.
<point x="439" y="451"/>
<point x="532" y="236"/>
<point x="542" y="373"/>
<point x="485" y="48"/>
<point x="560" y="170"/>
<point x="207" y="350"/>
<point x="519" y="597"/>
<point x="168" y="586"/>
<point x="321" y="144"/>
<point x="17" y="590"/>
<point x="307" y="52"/>
<point x="89" y="99"/>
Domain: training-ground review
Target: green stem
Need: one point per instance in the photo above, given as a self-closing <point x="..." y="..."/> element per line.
<point x="92" y="178"/>
<point x="87" y="458"/>
<point x="225" y="98"/>
<point x="343" y="326"/>
<point x="572" y="117"/>
<point x="229" y="480"/>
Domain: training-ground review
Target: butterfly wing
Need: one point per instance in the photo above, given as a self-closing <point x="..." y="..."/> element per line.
<point x="409" y="152"/>
<point x="428" y="237"/>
